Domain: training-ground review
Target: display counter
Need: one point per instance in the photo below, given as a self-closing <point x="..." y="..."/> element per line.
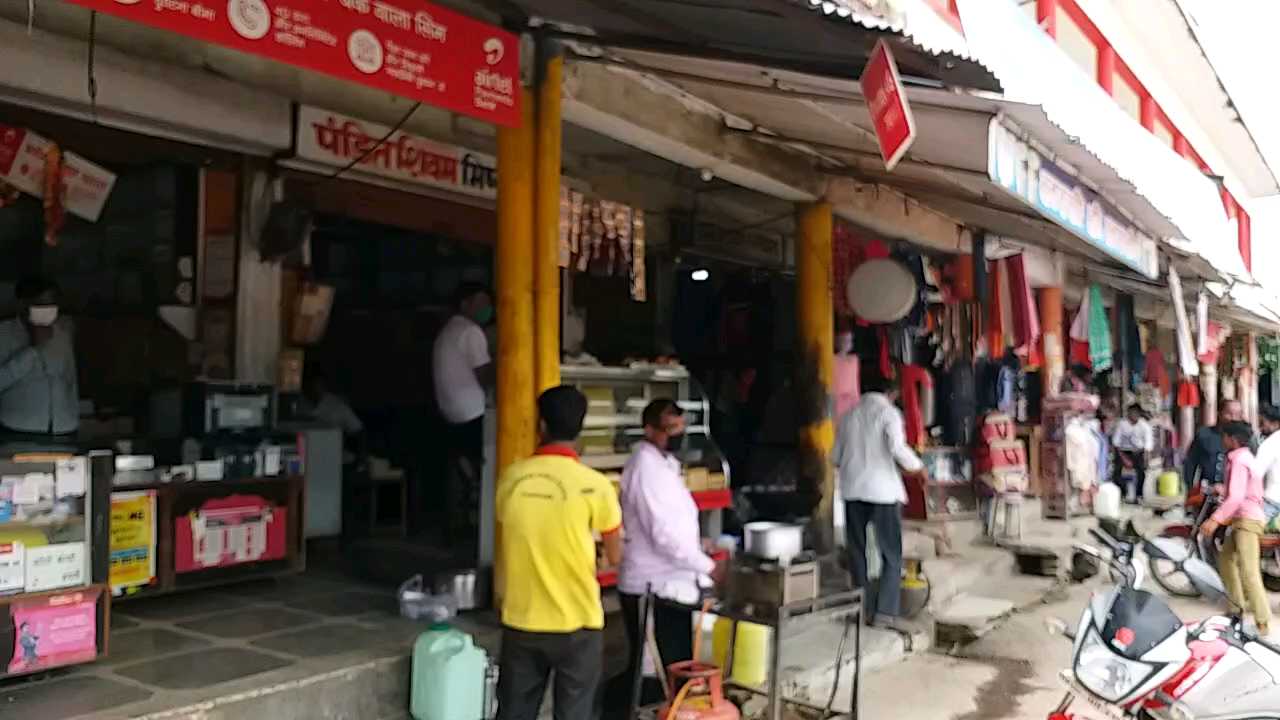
<point x="179" y="535"/>
<point x="54" y="596"/>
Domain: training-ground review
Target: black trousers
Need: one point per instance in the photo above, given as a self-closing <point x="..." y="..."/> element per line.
<point x="887" y="521"/>
<point x="527" y="662"/>
<point x="673" y="632"/>
<point x="466" y="463"/>
<point x="1134" y="487"/>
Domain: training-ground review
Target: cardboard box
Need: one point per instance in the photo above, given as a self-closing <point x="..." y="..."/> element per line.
<point x="696" y="478"/>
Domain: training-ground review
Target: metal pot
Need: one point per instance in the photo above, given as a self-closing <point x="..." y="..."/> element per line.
<point x="461" y="586"/>
<point x="773" y="540"/>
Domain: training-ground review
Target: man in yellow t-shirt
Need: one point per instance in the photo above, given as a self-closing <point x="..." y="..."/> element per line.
<point x="549" y="507"/>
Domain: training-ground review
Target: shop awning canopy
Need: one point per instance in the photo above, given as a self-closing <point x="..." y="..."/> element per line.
<point x="1049" y="110"/>
<point x="947" y="168"/>
<point x="1033" y="71"/>
<point x="830" y="38"/>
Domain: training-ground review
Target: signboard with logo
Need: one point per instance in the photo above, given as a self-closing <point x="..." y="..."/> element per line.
<point x="412" y="49"/>
<point x="22" y="161"/>
<point x="54" y="630"/>
<point x="336" y="140"/>
<point x="1033" y="178"/>
<point x="887" y="102"/>
<point x="132" y="549"/>
<point x="227" y="531"/>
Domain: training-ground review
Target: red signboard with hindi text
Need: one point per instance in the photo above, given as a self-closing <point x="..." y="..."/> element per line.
<point x="890" y="114"/>
<point x="410" y="48"/>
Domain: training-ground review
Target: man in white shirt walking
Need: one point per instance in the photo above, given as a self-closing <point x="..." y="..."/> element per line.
<point x="871" y="456"/>
<point x="461" y="369"/>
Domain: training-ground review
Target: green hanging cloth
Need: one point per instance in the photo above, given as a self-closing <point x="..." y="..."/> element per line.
<point x="1099" y="332"/>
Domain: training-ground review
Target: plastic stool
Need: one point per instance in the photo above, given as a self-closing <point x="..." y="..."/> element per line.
<point x="1006" y="517"/>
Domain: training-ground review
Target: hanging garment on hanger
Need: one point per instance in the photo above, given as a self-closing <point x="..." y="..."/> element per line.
<point x="1078" y="335"/>
<point x="845" y="383"/>
<point x="1026" y="318"/>
<point x="1157" y="372"/>
<point x="917" y="395"/>
<point x="1099" y="331"/>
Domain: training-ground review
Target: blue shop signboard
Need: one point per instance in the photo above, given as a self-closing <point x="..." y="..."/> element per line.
<point x="1033" y="178"/>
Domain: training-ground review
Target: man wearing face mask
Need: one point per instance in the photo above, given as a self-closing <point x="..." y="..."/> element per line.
<point x="663" y="548"/>
<point x="39" y="392"/>
<point x="462" y="370"/>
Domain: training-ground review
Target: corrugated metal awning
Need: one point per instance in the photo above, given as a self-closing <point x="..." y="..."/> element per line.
<point x="768" y="33"/>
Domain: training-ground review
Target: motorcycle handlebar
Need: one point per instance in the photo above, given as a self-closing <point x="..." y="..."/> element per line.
<point x="1102" y="537"/>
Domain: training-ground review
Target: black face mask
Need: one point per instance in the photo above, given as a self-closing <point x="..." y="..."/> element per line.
<point x="675" y="443"/>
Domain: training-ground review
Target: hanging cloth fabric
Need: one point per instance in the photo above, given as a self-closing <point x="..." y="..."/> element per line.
<point x="1157" y="373"/>
<point x="1202" y="323"/>
<point x="845" y="383"/>
<point x="1127" y="335"/>
<point x="1099" y="331"/>
<point x="1186" y="350"/>
<point x="1079" y="334"/>
<point x="1026" y="318"/>
<point x="994" y="332"/>
<point x="917" y="400"/>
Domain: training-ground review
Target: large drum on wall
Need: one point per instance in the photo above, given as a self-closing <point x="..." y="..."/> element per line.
<point x="881" y="291"/>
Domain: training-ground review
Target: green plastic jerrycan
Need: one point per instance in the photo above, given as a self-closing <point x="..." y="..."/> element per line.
<point x="448" y="676"/>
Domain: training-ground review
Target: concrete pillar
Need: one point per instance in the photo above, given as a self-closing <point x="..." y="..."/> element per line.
<point x="513" y="288"/>
<point x="546" y="260"/>
<point x="1054" y="344"/>
<point x="815" y="332"/>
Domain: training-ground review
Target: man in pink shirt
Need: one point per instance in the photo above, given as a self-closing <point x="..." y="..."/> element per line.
<point x="1243" y="508"/>
<point x="663" y="549"/>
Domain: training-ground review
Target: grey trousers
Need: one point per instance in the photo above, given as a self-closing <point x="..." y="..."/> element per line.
<point x="527" y="662"/>
<point x="887" y="521"/>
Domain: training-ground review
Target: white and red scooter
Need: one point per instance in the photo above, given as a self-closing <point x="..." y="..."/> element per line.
<point x="1132" y="657"/>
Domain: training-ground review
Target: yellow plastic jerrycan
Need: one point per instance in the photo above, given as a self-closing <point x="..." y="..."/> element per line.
<point x="750" y="652"/>
<point x="1169" y="484"/>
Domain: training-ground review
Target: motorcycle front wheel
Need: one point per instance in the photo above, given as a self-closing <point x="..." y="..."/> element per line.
<point x="1170" y="576"/>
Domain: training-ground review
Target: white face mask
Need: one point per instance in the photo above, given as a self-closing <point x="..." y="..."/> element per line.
<point x="42" y="315"/>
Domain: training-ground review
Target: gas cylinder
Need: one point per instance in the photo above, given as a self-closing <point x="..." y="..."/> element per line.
<point x="699" y="695"/>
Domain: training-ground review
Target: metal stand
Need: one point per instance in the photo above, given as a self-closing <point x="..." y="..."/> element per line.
<point x="848" y="604"/>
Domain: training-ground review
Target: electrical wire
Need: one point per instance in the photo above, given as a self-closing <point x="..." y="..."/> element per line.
<point x="92" y="78"/>
<point x="373" y="148"/>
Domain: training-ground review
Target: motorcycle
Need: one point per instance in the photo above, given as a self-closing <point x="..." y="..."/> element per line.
<point x="1187" y="535"/>
<point x="1132" y="657"/>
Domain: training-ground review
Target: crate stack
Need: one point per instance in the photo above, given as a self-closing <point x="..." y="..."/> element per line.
<point x="1001" y="460"/>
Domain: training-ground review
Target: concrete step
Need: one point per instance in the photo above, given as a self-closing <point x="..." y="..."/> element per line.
<point x="376" y="689"/>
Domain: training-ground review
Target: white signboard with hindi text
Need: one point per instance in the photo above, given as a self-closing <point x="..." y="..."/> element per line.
<point x="336" y="140"/>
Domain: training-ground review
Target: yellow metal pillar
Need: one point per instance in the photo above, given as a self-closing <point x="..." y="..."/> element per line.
<point x="513" y="266"/>
<point x="546" y="253"/>
<point x="815" y="333"/>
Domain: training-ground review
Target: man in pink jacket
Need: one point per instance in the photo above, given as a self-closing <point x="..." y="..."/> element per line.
<point x="1243" y="509"/>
